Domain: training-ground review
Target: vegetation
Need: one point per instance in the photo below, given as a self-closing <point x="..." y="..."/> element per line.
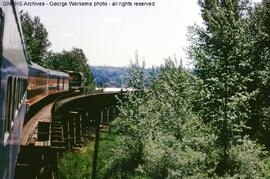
<point x="163" y="135"/>
<point x="79" y="164"/>
<point x="207" y="125"/>
<point x="213" y="123"/>
<point x="37" y="44"/>
<point x="74" y="60"/>
<point x="35" y="38"/>
<point x="107" y="76"/>
<point x="222" y="60"/>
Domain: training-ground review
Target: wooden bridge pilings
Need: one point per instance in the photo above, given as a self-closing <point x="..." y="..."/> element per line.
<point x="79" y="120"/>
<point x="74" y="120"/>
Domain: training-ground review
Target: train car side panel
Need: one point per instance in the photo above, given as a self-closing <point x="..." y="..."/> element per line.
<point x="57" y="82"/>
<point x="38" y="83"/>
<point x="14" y="72"/>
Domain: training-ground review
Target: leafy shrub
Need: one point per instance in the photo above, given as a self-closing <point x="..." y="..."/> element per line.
<point x="164" y="135"/>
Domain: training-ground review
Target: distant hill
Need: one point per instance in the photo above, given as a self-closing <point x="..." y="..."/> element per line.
<point x="108" y="76"/>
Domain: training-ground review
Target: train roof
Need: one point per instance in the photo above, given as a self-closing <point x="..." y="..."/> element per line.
<point x="73" y="72"/>
<point x="37" y="67"/>
<point x="19" y="26"/>
<point x="57" y="73"/>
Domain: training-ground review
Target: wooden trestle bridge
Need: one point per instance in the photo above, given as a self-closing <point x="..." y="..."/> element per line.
<point x="63" y="124"/>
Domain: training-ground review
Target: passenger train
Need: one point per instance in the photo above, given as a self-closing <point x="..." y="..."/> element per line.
<point x="14" y="74"/>
<point x="22" y="85"/>
<point x="43" y="82"/>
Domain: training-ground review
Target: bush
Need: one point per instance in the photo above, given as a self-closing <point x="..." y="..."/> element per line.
<point x="165" y="137"/>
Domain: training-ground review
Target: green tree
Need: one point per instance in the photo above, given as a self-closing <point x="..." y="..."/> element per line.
<point x="74" y="60"/>
<point x="258" y="69"/>
<point x="136" y="73"/>
<point x="220" y="50"/>
<point x="161" y="136"/>
<point x="35" y="38"/>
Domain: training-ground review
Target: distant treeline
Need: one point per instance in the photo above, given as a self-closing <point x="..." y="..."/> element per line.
<point x="108" y="76"/>
<point x="37" y="49"/>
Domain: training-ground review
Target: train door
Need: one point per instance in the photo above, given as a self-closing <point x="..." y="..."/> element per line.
<point x="63" y="84"/>
<point x="58" y="81"/>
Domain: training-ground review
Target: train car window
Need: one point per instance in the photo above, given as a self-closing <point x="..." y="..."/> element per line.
<point x="24" y="85"/>
<point x="31" y="82"/>
<point x="15" y="93"/>
<point x="19" y="91"/>
<point x="22" y="88"/>
<point x="2" y="20"/>
<point x="58" y="81"/>
<point x="8" y="104"/>
<point x="13" y="108"/>
<point x="1" y="30"/>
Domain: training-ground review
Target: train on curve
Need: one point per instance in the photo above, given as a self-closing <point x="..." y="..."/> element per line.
<point x="43" y="82"/>
<point x="22" y="84"/>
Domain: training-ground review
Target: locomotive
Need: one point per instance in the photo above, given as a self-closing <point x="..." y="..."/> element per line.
<point x="75" y="81"/>
<point x="22" y="85"/>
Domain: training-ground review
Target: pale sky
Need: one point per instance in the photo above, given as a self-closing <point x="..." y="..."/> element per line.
<point x="111" y="35"/>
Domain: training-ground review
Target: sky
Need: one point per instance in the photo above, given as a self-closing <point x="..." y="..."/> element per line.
<point x="111" y="35"/>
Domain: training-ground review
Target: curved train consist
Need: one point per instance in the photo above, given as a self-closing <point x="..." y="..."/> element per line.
<point x="22" y="85"/>
<point x="43" y="82"/>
